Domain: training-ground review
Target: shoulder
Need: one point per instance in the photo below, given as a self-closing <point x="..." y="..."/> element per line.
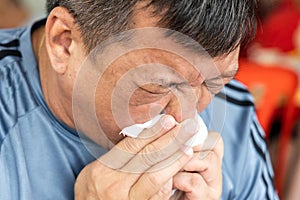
<point x="239" y="118"/>
<point x="15" y="92"/>
<point x="247" y="169"/>
<point x="9" y="46"/>
<point x="233" y="105"/>
<point x="7" y="35"/>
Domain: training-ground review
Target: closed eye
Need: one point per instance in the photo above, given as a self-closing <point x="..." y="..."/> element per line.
<point x="213" y="86"/>
<point x="154" y="89"/>
<point x="143" y="96"/>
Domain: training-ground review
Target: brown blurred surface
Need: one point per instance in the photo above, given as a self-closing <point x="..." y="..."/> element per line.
<point x="12" y="14"/>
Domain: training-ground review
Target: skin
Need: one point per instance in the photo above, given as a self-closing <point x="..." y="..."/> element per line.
<point x="60" y="57"/>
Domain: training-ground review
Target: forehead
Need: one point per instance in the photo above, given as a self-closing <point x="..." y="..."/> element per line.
<point x="184" y="62"/>
<point x="148" y="44"/>
<point x="160" y="66"/>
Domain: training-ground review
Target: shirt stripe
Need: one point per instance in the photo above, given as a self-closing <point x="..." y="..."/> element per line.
<point x="233" y="100"/>
<point x="8" y="52"/>
<point x="13" y="43"/>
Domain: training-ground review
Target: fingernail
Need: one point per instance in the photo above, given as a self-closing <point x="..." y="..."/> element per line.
<point x="190" y="126"/>
<point x="168" y="122"/>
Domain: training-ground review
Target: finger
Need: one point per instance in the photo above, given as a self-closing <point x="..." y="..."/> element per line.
<point x="192" y="184"/>
<point x="162" y="148"/>
<point x="159" y="175"/>
<point x="199" y="163"/>
<point x="213" y="142"/>
<point x="125" y="150"/>
<point x="132" y="145"/>
<point x="210" y="168"/>
<point x="165" y="192"/>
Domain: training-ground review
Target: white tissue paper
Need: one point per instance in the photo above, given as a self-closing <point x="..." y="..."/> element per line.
<point x="134" y="130"/>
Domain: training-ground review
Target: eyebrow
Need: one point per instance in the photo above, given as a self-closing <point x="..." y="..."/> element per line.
<point x="166" y="84"/>
<point x="171" y="84"/>
<point x="161" y="82"/>
<point x="225" y="74"/>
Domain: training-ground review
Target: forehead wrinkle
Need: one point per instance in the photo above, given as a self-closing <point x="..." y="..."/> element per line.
<point x="179" y="68"/>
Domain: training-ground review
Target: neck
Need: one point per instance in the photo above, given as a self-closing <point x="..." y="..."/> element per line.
<point x="56" y="99"/>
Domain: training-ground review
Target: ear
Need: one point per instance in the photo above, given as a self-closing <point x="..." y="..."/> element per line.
<point x="59" y="35"/>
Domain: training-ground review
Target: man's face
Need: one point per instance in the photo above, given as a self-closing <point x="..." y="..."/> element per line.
<point x="144" y="82"/>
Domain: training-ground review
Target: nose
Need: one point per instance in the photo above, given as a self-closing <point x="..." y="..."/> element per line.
<point x="183" y="104"/>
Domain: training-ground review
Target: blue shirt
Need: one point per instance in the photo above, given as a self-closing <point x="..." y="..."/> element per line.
<point x="40" y="157"/>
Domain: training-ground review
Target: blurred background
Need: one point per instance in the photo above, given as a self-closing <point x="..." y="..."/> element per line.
<point x="20" y="12"/>
<point x="269" y="67"/>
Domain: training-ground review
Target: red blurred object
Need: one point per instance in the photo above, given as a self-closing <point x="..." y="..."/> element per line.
<point x="273" y="87"/>
<point x="279" y="27"/>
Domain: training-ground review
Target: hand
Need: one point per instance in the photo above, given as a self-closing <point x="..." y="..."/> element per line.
<point x="201" y="177"/>
<point x="141" y="168"/>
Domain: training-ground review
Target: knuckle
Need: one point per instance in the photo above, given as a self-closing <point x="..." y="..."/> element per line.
<point x="128" y="145"/>
<point x="151" y="148"/>
<point x="150" y="156"/>
<point x="156" y="129"/>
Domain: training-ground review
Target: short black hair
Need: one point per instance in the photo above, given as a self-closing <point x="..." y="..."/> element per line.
<point x="219" y="26"/>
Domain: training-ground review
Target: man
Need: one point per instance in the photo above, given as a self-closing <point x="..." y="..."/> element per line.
<point x="124" y="62"/>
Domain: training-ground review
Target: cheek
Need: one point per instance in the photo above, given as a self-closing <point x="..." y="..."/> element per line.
<point x="140" y="97"/>
<point x="144" y="112"/>
<point x="204" y="99"/>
